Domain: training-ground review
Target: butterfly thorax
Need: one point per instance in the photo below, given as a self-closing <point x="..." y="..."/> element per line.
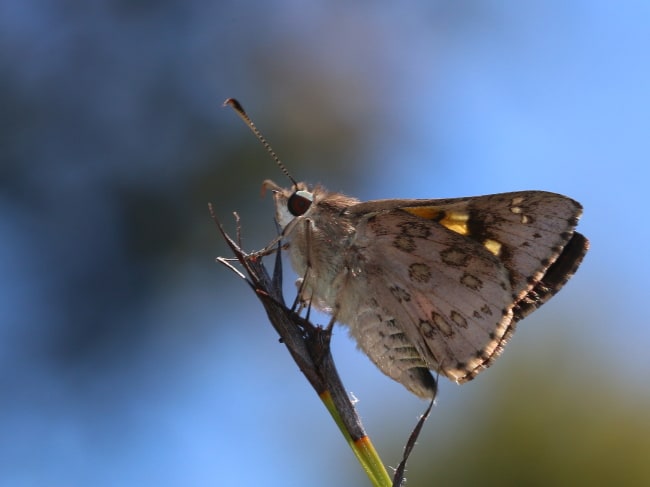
<point x="320" y="240"/>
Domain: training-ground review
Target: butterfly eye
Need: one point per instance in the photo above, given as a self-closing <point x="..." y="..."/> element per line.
<point x="299" y="202"/>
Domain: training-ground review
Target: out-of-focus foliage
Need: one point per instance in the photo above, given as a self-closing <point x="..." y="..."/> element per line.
<point x="543" y="426"/>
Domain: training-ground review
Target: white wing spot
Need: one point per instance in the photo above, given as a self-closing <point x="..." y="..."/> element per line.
<point x="426" y="328"/>
<point x="517" y="200"/>
<point x="459" y="319"/>
<point x="471" y="281"/>
<point x="420" y="272"/>
<point x="440" y="323"/>
<point x="454" y="257"/>
<point x="404" y="243"/>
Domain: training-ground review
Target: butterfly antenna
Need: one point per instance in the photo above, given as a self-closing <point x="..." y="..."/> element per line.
<point x="235" y="105"/>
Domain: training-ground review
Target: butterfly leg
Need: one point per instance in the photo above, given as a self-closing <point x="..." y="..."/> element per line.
<point x="330" y="325"/>
<point x="302" y="301"/>
<point x="272" y="246"/>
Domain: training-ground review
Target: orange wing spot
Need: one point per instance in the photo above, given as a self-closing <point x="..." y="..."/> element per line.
<point x="426" y="212"/>
<point x="493" y="246"/>
<point x="456" y="221"/>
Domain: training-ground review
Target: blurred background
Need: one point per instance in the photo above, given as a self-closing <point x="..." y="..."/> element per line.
<point x="129" y="357"/>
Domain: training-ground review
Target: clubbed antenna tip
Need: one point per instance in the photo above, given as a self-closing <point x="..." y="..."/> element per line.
<point x="235" y="105"/>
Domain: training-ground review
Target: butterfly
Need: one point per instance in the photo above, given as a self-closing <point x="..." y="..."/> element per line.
<point x="427" y="285"/>
<point x="430" y="285"/>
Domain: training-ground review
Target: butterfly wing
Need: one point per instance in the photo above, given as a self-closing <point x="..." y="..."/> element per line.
<point x="444" y="295"/>
<point x="449" y="278"/>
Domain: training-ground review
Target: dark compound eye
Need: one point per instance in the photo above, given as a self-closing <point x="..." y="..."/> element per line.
<point x="299" y="202"/>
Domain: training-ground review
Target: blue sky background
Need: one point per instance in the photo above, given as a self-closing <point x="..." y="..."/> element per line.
<point x="128" y="357"/>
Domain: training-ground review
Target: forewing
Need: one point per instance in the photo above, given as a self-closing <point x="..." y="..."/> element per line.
<point x="526" y="230"/>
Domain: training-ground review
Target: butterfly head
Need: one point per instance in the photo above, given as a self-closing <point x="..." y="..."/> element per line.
<point x="290" y="203"/>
